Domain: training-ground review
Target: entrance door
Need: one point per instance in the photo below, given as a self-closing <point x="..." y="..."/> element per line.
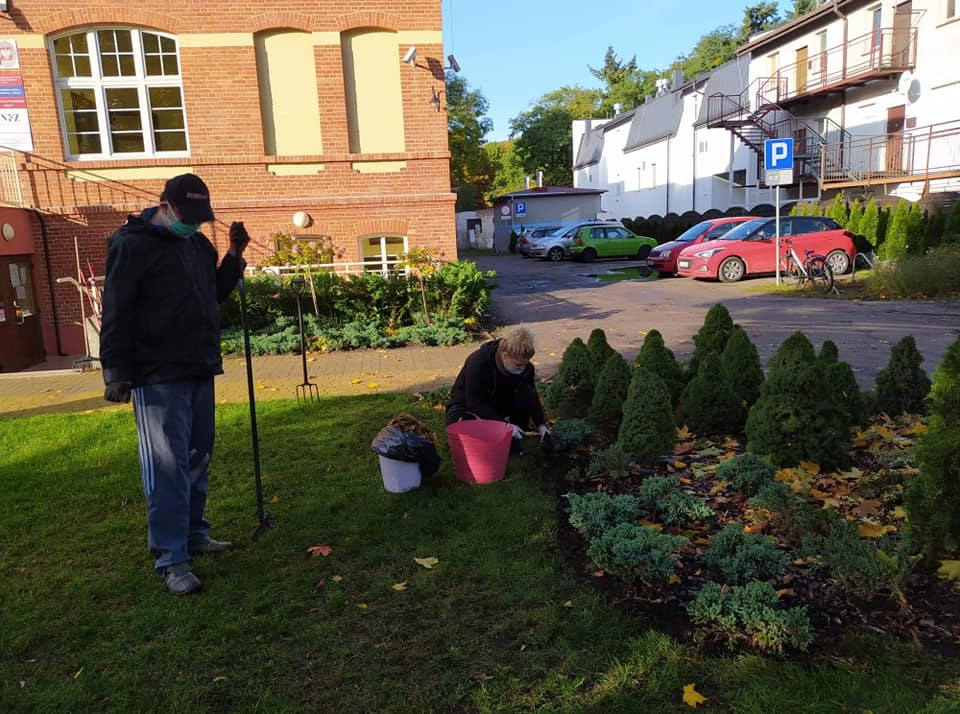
<point x="801" y="70"/>
<point x="895" y="122"/>
<point x="901" y="35"/>
<point x="21" y="341"/>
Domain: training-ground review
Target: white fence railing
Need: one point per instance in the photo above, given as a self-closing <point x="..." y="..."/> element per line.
<point x="390" y="265"/>
<point x="10" y="193"/>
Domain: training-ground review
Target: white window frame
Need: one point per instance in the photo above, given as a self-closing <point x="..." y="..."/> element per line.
<point x="99" y="84"/>
<point x="381" y="267"/>
<point x="950" y="9"/>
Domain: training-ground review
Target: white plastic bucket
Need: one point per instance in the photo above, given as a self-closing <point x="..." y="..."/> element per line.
<point x="399" y="476"/>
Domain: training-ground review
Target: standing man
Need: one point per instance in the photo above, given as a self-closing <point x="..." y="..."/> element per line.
<point x="160" y="342"/>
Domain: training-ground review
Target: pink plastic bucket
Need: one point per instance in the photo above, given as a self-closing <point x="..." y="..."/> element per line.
<point x="480" y="448"/>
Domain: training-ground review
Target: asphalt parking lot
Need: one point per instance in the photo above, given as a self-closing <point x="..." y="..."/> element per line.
<point x="561" y="301"/>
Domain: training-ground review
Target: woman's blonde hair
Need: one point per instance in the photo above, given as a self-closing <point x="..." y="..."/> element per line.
<point x="518" y="342"/>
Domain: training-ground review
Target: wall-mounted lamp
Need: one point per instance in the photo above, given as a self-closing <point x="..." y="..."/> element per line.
<point x="410" y="57"/>
<point x="435" y="100"/>
<point x="302" y="219"/>
<point x="454" y="65"/>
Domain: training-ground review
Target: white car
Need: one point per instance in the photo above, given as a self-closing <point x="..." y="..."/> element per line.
<point x="556" y="246"/>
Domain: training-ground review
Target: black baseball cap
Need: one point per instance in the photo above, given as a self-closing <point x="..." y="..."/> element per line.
<point x="190" y="195"/>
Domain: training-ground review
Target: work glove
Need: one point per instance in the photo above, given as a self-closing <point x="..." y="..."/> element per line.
<point x="543" y="431"/>
<point x="118" y="392"/>
<point x="517" y="431"/>
<point x="238" y="238"/>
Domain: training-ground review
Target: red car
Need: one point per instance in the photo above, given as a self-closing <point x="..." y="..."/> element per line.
<point x="663" y="258"/>
<point x="748" y="249"/>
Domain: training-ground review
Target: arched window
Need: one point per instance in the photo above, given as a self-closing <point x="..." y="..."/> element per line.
<point x="119" y="93"/>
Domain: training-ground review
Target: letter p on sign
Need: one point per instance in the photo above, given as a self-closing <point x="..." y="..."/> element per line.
<point x="778" y="154"/>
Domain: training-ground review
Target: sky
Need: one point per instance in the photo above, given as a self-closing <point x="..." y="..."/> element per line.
<point x="514" y="52"/>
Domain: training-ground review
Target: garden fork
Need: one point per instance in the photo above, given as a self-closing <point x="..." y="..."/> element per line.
<point x="307" y="390"/>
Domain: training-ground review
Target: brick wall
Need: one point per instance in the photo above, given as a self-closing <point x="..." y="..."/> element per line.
<point x="226" y="139"/>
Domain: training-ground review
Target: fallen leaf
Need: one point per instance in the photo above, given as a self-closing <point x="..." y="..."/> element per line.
<point x="355" y="381"/>
<point x="679" y="465"/>
<point x="219" y="678"/>
<point x="674" y="579"/>
<point x="399" y="586"/>
<point x="682" y="448"/>
<point x="874" y="530"/>
<point x="77" y="675"/>
<point x="684" y="433"/>
<point x="651" y="524"/>
<point x="811" y="468"/>
<point x="481" y="676"/>
<point x="568" y="603"/>
<point x="691" y="697"/>
<point x="785" y="592"/>
<point x="316" y="550"/>
<point x="885" y="433"/>
<point x="427" y="563"/>
<point x="598" y="573"/>
<point x="275" y="499"/>
<point x="362" y="605"/>
<point x="949" y="570"/>
<point x="337" y="578"/>
<point x="899" y="513"/>
<point x="372" y="385"/>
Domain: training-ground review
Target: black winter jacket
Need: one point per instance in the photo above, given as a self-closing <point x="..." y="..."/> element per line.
<point x="484" y="390"/>
<point x="160" y="295"/>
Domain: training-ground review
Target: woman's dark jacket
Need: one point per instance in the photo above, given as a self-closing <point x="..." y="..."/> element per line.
<point x="484" y="390"/>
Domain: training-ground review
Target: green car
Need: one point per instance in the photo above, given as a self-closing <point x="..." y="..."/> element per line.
<point x="609" y="240"/>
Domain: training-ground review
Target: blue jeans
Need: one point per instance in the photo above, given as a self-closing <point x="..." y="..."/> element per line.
<point x="175" y="423"/>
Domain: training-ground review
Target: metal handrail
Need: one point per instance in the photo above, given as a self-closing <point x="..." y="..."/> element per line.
<point x="884" y="50"/>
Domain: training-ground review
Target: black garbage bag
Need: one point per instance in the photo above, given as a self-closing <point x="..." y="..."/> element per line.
<point x="400" y="445"/>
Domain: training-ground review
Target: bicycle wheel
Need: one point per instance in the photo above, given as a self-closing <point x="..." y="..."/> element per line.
<point x="791" y="274"/>
<point x="820" y="274"/>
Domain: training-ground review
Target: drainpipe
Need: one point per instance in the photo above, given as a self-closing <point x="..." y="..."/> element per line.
<point x="49" y="269"/>
<point x="843" y="92"/>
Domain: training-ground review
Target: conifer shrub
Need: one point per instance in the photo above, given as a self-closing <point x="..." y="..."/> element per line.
<point x="796" y="417"/>
<point x="839" y="211"/>
<point x="737" y="557"/>
<point x="600" y="351"/>
<point x="664" y="501"/>
<point x="750" y="615"/>
<point x="741" y="365"/>
<point x="708" y="404"/>
<point x="568" y="434"/>
<point x="747" y="472"/>
<point x="856" y="217"/>
<point x="934" y="229"/>
<point x="843" y="382"/>
<point x="659" y="359"/>
<point x="772" y="496"/>
<point x="895" y="243"/>
<point x="571" y="392"/>
<point x="634" y="552"/>
<point x="593" y="513"/>
<point x="915" y="226"/>
<point x="712" y="337"/>
<point x="933" y="499"/>
<point x="951" y="233"/>
<point x="611" y="462"/>
<point x="857" y="566"/>
<point x="648" y="430"/>
<point x="870" y="223"/>
<point x="903" y="386"/>
<point x="611" y="388"/>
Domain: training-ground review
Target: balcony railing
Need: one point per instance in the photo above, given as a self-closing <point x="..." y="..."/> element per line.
<point x="874" y="55"/>
<point x="10" y="194"/>
<point x="923" y="154"/>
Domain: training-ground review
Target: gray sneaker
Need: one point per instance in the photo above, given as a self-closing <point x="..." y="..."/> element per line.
<point x="180" y="580"/>
<point x="209" y="546"/>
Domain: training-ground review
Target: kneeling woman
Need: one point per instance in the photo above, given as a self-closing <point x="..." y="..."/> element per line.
<point x="497" y="382"/>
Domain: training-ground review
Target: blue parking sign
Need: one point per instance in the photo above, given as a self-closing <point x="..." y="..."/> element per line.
<point x="520" y="208"/>
<point x="778" y="154"/>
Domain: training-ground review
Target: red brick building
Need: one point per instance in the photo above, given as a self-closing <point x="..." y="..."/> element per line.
<point x="281" y="107"/>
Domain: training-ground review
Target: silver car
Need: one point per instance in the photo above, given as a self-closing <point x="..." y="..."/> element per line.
<point x="556" y="246"/>
<point x="533" y="233"/>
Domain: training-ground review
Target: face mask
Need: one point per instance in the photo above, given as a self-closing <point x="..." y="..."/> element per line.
<point x="513" y="370"/>
<point x="176" y="226"/>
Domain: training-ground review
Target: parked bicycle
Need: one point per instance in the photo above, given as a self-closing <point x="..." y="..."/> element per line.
<point x="813" y="267"/>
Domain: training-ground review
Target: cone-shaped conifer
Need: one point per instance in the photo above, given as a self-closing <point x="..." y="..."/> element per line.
<point x="570" y="394"/>
<point x="903" y="386"/>
<point x="708" y="404"/>
<point x="712" y="337"/>
<point x="611" y="390"/>
<point x="648" y="430"/>
<point x="741" y="365"/>
<point x="659" y="359"/>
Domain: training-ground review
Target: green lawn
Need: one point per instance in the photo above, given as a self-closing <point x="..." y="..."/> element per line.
<point x="502" y="623"/>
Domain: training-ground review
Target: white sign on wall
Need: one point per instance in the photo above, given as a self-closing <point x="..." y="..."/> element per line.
<point x="14" y="122"/>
